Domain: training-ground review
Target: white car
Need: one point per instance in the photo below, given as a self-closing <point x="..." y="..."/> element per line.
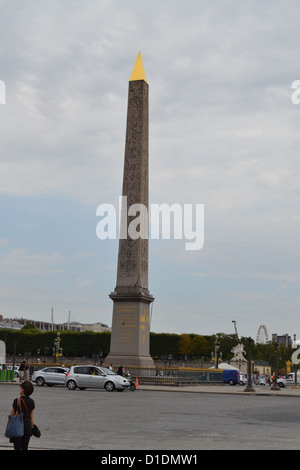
<point x="262" y="380"/>
<point x="50" y="376"/>
<point x="243" y="379"/>
<point x="15" y="368"/>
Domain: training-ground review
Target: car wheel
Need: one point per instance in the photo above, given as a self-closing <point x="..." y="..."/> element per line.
<point x="40" y="382"/>
<point x="109" y="386"/>
<point x="231" y="382"/>
<point x="71" y="385"/>
<point x="280" y="384"/>
<point x="132" y="387"/>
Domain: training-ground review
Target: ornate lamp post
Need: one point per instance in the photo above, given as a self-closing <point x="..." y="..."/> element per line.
<point x="217" y="353"/>
<point x="249" y="387"/>
<point x="57" y="350"/>
<point x="295" y="371"/>
<point x="275" y="385"/>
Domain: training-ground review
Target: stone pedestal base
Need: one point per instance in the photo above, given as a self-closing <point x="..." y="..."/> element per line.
<point x="130" y="330"/>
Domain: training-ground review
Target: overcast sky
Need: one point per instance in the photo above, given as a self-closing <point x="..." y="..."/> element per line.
<point x="224" y="132"/>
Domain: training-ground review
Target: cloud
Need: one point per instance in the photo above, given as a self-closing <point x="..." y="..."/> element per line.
<point x="223" y="132"/>
<point x="20" y="261"/>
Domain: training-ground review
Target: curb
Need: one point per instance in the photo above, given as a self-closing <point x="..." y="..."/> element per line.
<point x="270" y="393"/>
<point x="207" y="389"/>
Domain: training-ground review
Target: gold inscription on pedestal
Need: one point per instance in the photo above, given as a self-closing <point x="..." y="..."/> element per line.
<point x="125" y="323"/>
<point x="144" y="323"/>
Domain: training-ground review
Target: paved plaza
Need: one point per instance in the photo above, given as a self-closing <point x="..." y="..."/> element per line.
<point x="189" y="418"/>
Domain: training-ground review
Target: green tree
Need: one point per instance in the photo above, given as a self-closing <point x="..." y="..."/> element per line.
<point x="184" y="344"/>
<point x="199" y="346"/>
<point x="30" y="327"/>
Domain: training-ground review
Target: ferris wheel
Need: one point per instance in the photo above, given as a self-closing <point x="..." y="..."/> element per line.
<point x="262" y="336"/>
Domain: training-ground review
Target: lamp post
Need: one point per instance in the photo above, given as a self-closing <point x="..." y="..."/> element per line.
<point x="14" y="354"/>
<point x="217" y="352"/>
<point x="249" y="387"/>
<point x="295" y="376"/>
<point x="295" y="371"/>
<point x="57" y="351"/>
<point x="275" y="385"/>
<point x="46" y="352"/>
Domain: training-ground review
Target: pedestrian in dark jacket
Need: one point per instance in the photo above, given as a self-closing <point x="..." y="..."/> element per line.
<point x="121" y="371"/>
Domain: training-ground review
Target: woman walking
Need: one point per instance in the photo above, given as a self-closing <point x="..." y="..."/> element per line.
<point x="26" y="406"/>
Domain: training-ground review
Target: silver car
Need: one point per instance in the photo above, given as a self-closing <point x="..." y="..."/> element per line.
<point x="50" y="376"/>
<point x="88" y="376"/>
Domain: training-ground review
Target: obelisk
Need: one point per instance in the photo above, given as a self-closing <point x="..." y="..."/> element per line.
<point x="131" y="298"/>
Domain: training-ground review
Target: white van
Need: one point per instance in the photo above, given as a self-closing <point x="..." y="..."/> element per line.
<point x="289" y="380"/>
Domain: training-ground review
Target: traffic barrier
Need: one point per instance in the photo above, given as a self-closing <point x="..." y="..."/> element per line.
<point x="6" y="375"/>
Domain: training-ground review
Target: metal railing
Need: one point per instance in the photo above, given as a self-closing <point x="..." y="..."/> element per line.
<point x="175" y="375"/>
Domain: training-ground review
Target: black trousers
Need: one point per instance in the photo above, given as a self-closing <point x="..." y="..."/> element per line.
<point x="21" y="443"/>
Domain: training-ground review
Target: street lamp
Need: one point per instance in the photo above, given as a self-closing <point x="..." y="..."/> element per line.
<point x="275" y="385"/>
<point x="249" y="387"/>
<point x="217" y="352"/>
<point x="57" y="350"/>
<point x="295" y="371"/>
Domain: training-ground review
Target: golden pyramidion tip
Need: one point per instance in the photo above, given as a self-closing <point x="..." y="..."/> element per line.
<point x="138" y="72"/>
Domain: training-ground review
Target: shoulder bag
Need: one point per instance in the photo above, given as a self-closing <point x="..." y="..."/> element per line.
<point x="15" y="425"/>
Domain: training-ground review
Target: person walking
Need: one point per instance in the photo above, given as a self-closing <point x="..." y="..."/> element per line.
<point x="21" y="371"/>
<point x="121" y="371"/>
<point x="26" y="406"/>
<point x="26" y="371"/>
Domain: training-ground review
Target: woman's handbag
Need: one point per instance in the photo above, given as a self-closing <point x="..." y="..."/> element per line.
<point x="15" y="425"/>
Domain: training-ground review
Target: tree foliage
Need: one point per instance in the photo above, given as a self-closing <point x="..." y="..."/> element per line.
<point x="162" y="345"/>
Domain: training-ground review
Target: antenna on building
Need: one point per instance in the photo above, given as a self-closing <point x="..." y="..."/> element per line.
<point x="69" y="319"/>
<point x="52" y="317"/>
